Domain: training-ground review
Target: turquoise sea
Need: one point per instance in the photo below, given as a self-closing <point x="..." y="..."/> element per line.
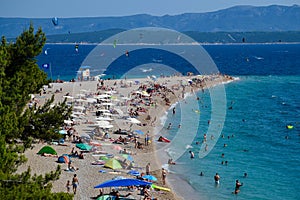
<point x="259" y="105"/>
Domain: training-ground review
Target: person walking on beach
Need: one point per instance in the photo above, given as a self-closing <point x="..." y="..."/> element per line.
<point x="75" y="183"/>
<point x="163" y="175"/>
<point x="217" y="178"/>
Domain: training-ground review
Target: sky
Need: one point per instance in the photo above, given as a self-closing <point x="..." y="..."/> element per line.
<point x="101" y="8"/>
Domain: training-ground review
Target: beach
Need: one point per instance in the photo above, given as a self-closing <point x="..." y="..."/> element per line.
<point x="127" y="100"/>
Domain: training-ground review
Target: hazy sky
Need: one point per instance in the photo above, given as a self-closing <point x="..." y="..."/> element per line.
<point x="95" y="8"/>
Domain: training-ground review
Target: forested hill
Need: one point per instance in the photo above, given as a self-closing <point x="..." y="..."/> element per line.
<point x="235" y="19"/>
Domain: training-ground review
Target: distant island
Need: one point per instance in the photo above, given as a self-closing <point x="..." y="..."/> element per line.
<point x="249" y="24"/>
<point x="200" y="37"/>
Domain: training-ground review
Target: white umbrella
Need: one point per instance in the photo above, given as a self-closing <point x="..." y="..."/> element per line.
<point x="80" y="100"/>
<point x="68" y="122"/>
<point x="106" y="126"/>
<point x="102" y="123"/>
<point x="110" y="92"/>
<point x="101" y="96"/>
<point x="80" y="95"/>
<point x="79" y="108"/>
<point x="108" y="104"/>
<point x="106" y="100"/>
<point x="77" y="113"/>
<point x="104" y="119"/>
<point x="68" y="97"/>
<point x="133" y="120"/>
<point x="91" y="100"/>
<point x="103" y="110"/>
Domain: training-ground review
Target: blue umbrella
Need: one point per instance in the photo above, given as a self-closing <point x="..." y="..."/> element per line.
<point x="149" y="177"/>
<point x="139" y="132"/>
<point x="123" y="183"/>
<point x="134" y="173"/>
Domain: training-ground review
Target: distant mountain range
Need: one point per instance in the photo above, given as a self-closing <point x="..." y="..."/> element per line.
<point x="235" y="19"/>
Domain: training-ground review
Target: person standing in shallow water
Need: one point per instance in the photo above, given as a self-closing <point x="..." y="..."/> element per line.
<point x="217" y="178"/>
<point x="237" y="187"/>
<point x="192" y="154"/>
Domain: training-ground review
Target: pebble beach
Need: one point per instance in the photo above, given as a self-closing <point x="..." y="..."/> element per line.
<point x="126" y="100"/>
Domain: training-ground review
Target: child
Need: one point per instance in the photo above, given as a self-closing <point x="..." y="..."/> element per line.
<point x="68" y="185"/>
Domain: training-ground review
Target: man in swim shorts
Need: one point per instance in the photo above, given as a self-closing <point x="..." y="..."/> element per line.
<point x="75" y="183"/>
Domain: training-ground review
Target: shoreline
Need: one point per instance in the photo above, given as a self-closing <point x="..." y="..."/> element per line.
<point x="140" y="158"/>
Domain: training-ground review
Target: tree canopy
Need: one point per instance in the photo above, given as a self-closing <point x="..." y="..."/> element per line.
<point x="20" y="76"/>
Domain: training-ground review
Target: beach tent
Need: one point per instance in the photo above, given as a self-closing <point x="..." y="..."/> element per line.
<point x="83" y="146"/>
<point x="47" y="149"/>
<point x="123" y="183"/>
<point x="113" y="164"/>
<point x="63" y="159"/>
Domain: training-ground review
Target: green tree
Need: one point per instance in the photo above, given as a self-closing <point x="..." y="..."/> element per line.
<point x="20" y="76"/>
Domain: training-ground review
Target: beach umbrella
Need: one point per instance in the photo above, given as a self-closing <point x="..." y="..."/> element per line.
<point x="149" y="177"/>
<point x="102" y="123"/>
<point x="113" y="164"/>
<point x="133" y="120"/>
<point x="91" y="100"/>
<point x="63" y="132"/>
<point x="123" y="183"/>
<point x="118" y="178"/>
<point x="127" y="157"/>
<point x="139" y="132"/>
<point x="103" y="158"/>
<point x="103" y="110"/>
<point x="83" y="146"/>
<point x="108" y="104"/>
<point x="134" y="173"/>
<point x="104" y="119"/>
<point x="68" y="121"/>
<point x="106" y="126"/>
<point x="68" y="97"/>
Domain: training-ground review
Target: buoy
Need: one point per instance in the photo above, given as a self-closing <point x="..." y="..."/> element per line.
<point x="289" y="127"/>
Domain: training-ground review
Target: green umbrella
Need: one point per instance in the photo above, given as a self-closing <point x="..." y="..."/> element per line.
<point x="103" y="158"/>
<point x="83" y="146"/>
<point x="127" y="157"/>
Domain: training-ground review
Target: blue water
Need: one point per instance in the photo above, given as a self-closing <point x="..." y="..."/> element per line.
<point x="263" y="106"/>
<point x="264" y="100"/>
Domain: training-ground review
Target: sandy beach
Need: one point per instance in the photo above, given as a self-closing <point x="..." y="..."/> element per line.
<point x="132" y="106"/>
